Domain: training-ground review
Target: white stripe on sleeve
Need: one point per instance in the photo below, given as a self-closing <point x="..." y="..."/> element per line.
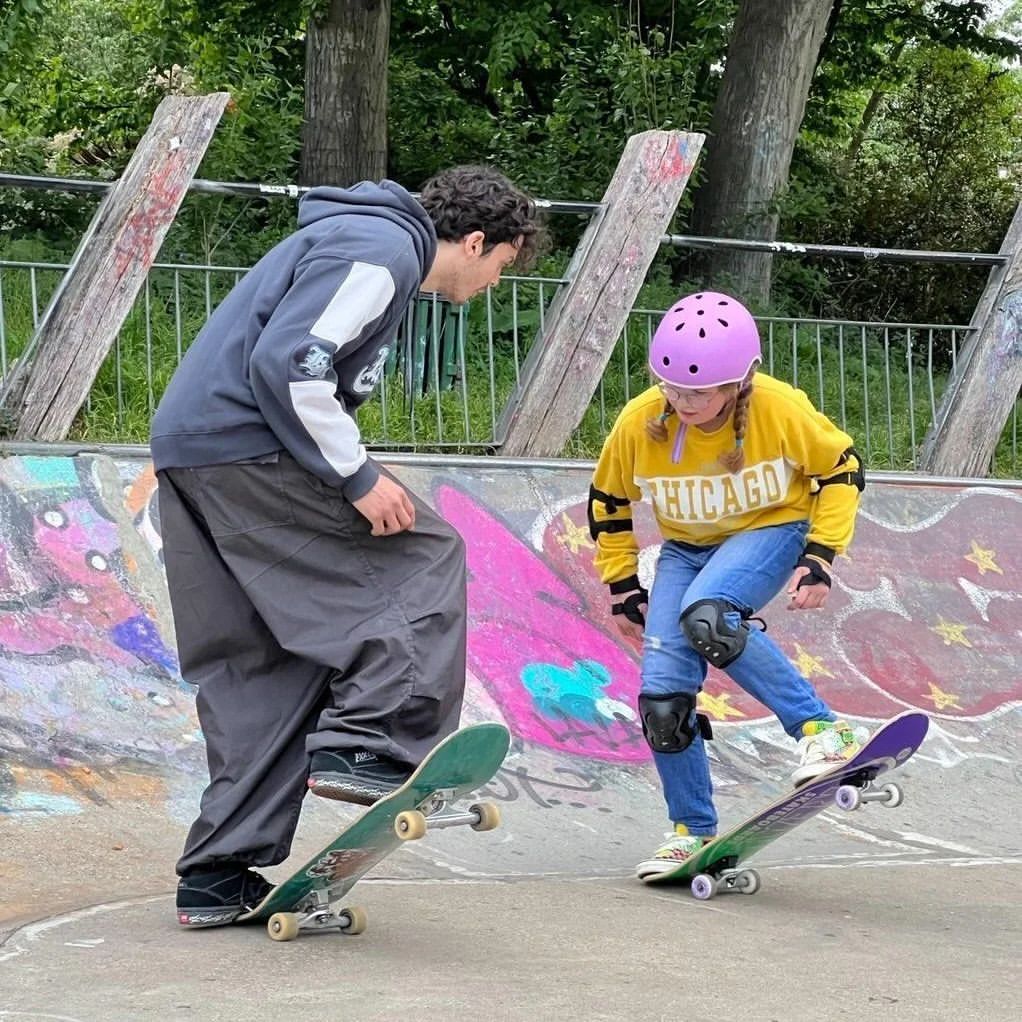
<point x="332" y="429"/>
<point x="363" y="296"/>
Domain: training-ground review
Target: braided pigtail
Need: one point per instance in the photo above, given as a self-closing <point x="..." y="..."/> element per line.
<point x="734" y="460"/>
<point x="656" y="429"/>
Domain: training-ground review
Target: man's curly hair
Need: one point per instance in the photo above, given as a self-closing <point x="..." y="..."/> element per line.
<point x="470" y="198"/>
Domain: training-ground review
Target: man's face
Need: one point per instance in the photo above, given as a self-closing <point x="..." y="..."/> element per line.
<point x="473" y="271"/>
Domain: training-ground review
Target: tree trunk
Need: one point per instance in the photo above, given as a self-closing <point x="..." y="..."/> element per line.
<point x="344" y="139"/>
<point x="770" y="63"/>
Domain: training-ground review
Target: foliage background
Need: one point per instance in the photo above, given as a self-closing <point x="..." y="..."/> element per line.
<point x="548" y="91"/>
<point x="911" y="139"/>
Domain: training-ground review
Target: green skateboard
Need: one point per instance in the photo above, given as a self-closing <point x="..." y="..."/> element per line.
<point x="714" y="868"/>
<point x="461" y="763"/>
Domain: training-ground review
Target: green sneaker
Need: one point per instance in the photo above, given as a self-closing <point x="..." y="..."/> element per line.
<point x="825" y="744"/>
<point x="675" y="850"/>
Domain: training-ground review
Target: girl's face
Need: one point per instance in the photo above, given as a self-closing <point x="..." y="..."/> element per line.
<point x="696" y="406"/>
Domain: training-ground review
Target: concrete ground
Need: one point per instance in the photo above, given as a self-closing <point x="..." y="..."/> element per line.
<point x="865" y="916"/>
<point x="899" y="941"/>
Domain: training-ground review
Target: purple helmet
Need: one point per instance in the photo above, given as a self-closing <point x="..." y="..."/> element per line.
<point x="705" y="340"/>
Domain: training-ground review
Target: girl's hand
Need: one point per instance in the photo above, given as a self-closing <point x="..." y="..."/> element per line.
<point x="810" y="595"/>
<point x="631" y="630"/>
<point x="629" y="609"/>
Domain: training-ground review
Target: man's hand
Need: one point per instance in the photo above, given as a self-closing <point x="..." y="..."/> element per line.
<point x="387" y="507"/>
<point x="811" y="595"/>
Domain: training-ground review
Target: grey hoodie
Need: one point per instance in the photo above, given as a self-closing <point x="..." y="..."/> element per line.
<point x="302" y="340"/>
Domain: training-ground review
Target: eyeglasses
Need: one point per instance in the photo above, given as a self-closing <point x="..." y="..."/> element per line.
<point x="689" y="395"/>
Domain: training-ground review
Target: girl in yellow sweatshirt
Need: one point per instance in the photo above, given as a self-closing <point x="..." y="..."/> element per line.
<point x="753" y="489"/>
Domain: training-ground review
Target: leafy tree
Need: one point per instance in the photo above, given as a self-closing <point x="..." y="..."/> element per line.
<point x="939" y="169"/>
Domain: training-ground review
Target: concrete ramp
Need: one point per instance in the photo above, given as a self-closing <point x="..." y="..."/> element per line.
<point x="102" y="761"/>
<point x="896" y="914"/>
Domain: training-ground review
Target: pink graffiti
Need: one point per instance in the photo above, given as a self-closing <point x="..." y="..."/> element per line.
<point x="559" y="680"/>
<point x="68" y="590"/>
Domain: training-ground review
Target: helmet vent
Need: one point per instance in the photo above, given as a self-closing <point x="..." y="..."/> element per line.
<point x="693" y="369"/>
<point x="722" y="322"/>
<point x="702" y="333"/>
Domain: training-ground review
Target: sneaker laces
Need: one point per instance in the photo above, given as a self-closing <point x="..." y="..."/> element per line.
<point x="837" y="741"/>
<point x="679" y="846"/>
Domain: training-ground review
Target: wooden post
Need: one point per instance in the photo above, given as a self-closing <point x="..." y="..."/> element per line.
<point x="985" y="385"/>
<point x="94" y="298"/>
<point x="567" y="360"/>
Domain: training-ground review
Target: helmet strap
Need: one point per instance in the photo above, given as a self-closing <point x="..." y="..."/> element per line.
<point x="679" y="443"/>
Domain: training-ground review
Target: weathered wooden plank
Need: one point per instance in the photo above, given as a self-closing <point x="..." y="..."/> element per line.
<point x="110" y="267"/>
<point x="567" y="360"/>
<point x="985" y="385"/>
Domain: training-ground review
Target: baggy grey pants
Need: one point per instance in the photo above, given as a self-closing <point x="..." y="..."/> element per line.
<point x="302" y="632"/>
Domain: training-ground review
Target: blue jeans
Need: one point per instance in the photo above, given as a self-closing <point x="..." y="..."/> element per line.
<point x="748" y="570"/>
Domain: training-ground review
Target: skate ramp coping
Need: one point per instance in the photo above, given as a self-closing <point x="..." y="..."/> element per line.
<point x="102" y="760"/>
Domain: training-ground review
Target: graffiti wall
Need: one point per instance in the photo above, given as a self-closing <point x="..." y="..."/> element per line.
<point x="92" y="707"/>
<point x="924" y="614"/>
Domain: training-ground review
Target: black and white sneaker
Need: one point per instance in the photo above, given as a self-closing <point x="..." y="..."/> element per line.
<point x="218" y="898"/>
<point x="354" y="775"/>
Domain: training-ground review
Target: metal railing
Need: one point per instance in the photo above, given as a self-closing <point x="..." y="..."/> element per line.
<point x="881" y="382"/>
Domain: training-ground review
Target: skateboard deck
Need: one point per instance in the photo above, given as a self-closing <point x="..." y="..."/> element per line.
<point x="459" y="764"/>
<point x="848" y="785"/>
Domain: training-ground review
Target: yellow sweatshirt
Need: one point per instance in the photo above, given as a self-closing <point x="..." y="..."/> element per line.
<point x="789" y="446"/>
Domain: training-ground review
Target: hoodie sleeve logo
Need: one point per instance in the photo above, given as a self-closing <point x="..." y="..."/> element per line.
<point x="316" y="363"/>
<point x="366" y="380"/>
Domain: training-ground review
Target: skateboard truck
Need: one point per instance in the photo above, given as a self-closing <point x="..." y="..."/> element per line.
<point x="851" y="796"/>
<point x="724" y="877"/>
<point x="315" y="913"/>
<point x="429" y="815"/>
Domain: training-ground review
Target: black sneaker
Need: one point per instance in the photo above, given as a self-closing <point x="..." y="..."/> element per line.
<point x="218" y="898"/>
<point x="353" y="775"/>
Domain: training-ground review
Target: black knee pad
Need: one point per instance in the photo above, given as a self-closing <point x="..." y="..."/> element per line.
<point x="668" y="723"/>
<point x="709" y="633"/>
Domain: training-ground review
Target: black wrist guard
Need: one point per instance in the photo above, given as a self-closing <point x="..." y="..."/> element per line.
<point x="817" y="573"/>
<point x="630" y="605"/>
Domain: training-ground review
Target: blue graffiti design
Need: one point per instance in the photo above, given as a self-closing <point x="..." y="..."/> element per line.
<point x="138" y="635"/>
<point x="575" y="692"/>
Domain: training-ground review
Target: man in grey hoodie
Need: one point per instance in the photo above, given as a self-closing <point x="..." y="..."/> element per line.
<point x="318" y="605"/>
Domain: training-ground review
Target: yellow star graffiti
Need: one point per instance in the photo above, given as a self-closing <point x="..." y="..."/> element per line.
<point x="808" y="665"/>
<point x="574" y="536"/>
<point x="983" y="559"/>
<point x="951" y="633"/>
<point x="942" y="700"/>
<point x="718" y="707"/>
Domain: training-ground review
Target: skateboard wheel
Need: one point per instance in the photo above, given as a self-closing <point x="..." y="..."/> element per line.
<point x="848" y="797"/>
<point x="894" y="795"/>
<point x="489" y="816"/>
<point x="704" y="886"/>
<point x="410" y="825"/>
<point x="283" y="926"/>
<point x="747" y="881"/>
<point x="353" y="919"/>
